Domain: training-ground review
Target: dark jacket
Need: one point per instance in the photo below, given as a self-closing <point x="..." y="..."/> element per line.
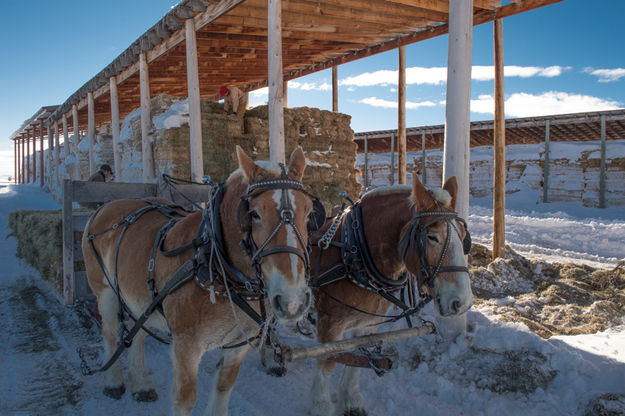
<point x="98" y="177"/>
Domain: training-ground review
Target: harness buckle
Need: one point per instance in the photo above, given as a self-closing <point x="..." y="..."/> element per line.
<point x="287" y="215"/>
<point x="248" y="286"/>
<point x="151" y="265"/>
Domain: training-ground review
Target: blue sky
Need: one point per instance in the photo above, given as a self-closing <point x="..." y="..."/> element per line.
<point x="559" y="59"/>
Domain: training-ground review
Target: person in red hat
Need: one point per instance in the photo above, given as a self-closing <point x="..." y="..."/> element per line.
<point x="235" y="100"/>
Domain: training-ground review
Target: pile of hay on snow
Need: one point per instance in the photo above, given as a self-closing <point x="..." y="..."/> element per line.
<point x="551" y="299"/>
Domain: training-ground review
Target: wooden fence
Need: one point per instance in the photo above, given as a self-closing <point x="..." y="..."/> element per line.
<point x="75" y="286"/>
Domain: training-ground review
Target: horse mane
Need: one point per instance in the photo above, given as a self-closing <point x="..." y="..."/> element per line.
<point x="386" y="190"/>
<point x="442" y="197"/>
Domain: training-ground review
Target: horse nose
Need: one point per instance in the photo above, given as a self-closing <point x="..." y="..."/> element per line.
<point x="455" y="306"/>
<point x="291" y="308"/>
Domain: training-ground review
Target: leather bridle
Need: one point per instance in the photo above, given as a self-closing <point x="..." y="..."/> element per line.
<point x="415" y="240"/>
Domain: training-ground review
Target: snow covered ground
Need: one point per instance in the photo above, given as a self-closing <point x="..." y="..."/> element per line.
<point x="494" y="368"/>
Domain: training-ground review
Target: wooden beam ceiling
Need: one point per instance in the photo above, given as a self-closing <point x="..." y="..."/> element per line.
<point x="232" y="43"/>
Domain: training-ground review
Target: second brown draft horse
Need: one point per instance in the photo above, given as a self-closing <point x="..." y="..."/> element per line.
<point x="388" y="235"/>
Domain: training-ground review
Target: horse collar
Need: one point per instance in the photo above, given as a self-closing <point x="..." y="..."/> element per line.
<point x="357" y="257"/>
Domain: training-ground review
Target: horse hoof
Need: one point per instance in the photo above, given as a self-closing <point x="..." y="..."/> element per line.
<point x="355" y="412"/>
<point x="145" y="396"/>
<point x="114" y="392"/>
<point x="276" y="371"/>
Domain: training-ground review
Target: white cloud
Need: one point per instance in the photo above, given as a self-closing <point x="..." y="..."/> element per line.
<point x="310" y="86"/>
<point x="258" y="97"/>
<point x="552" y="102"/>
<point x="438" y="75"/>
<point x="378" y="102"/>
<point x="607" y="75"/>
<point x="486" y="73"/>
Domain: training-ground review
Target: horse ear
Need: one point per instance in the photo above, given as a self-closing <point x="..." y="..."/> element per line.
<point x="420" y="196"/>
<point x="297" y="164"/>
<point x="451" y="186"/>
<point x="250" y="169"/>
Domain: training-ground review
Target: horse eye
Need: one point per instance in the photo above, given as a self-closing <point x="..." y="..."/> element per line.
<point x="254" y="215"/>
<point x="433" y="238"/>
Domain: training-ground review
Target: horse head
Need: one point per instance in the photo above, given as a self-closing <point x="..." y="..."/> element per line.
<point x="435" y="244"/>
<point x="272" y="210"/>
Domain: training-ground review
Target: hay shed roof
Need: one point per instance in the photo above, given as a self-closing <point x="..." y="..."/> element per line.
<point x="562" y="127"/>
<point x="232" y="44"/>
<point x="34" y="121"/>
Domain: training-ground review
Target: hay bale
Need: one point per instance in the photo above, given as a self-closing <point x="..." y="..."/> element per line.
<point x="40" y="243"/>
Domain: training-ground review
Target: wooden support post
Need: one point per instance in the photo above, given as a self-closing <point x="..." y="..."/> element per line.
<point x="335" y="89"/>
<point x="285" y="94"/>
<point x="15" y="155"/>
<point x="76" y="174"/>
<point x="34" y="154"/>
<point x="117" y="160"/>
<point x="50" y="153"/>
<point x="276" y="106"/>
<point x="28" y="156"/>
<point x="91" y="133"/>
<point x="424" y="174"/>
<point x="68" y="243"/>
<point x="457" y="114"/>
<point x="499" y="187"/>
<point x="392" y="158"/>
<point x="366" y="165"/>
<point x="546" y="165"/>
<point x="602" y="173"/>
<point x="23" y="157"/>
<point x="401" y="117"/>
<point x="146" y="121"/>
<point x="56" y="152"/>
<point x="195" y="116"/>
<point x="41" y="164"/>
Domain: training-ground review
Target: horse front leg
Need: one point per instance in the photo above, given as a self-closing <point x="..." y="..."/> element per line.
<point x="328" y="330"/>
<point x="186" y="355"/>
<point x="223" y="382"/>
<point x="350" y="398"/>
<point x="108" y="306"/>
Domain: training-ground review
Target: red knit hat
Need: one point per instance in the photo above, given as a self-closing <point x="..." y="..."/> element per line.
<point x="223" y="91"/>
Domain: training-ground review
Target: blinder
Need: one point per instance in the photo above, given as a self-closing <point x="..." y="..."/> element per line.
<point x="421" y="240"/>
<point x="244" y="219"/>
<point x="317" y="216"/>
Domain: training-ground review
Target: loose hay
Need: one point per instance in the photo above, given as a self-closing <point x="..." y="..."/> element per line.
<point x="551" y="299"/>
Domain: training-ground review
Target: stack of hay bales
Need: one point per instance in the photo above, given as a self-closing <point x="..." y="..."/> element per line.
<point x="40" y="243"/>
<point x="326" y="138"/>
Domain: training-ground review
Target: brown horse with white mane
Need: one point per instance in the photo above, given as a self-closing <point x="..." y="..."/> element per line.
<point x="390" y="231"/>
<point x="132" y="248"/>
